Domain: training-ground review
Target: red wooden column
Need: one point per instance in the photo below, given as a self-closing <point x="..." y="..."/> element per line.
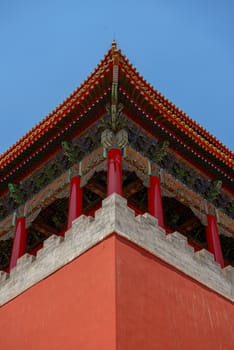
<point x="114" y="171"/>
<point x="155" y="200"/>
<point x="19" y="243"/>
<point x="75" y="200"/>
<point x="213" y="240"/>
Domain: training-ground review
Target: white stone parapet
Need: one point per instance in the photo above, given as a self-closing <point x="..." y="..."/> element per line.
<point x="143" y="230"/>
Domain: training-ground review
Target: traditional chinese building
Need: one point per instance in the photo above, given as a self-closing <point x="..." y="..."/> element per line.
<point x="117" y="224"/>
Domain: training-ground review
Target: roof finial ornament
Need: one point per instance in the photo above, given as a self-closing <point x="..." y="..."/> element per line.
<point x="115" y="53"/>
<point x="114" y="44"/>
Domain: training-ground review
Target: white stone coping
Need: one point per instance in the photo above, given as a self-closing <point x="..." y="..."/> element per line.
<point x="143" y="230"/>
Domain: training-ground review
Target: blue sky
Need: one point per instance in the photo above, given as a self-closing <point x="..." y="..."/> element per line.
<point x="185" y="49"/>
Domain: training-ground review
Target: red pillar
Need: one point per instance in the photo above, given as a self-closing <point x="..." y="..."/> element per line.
<point x="155" y="200"/>
<point x="213" y="240"/>
<point x="75" y="200"/>
<point x="19" y="243"/>
<point x="114" y="171"/>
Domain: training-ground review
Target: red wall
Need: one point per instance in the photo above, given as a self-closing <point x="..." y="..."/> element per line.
<point x="158" y="308"/>
<point x="117" y="290"/>
<point x="72" y="309"/>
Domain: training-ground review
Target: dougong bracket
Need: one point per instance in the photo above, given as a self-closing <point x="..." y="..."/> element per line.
<point x="16" y="194"/>
<point x="69" y="152"/>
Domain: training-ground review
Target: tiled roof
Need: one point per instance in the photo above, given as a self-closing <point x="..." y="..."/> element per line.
<point x="176" y="118"/>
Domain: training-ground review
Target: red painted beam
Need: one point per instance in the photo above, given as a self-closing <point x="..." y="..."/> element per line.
<point x="19" y="243"/>
<point x="114" y="171"/>
<point x="155" y="207"/>
<point x="75" y="200"/>
<point x="213" y="240"/>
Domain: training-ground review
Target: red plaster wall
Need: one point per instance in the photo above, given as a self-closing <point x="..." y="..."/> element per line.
<point x="158" y="308"/>
<point x="72" y="309"/>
